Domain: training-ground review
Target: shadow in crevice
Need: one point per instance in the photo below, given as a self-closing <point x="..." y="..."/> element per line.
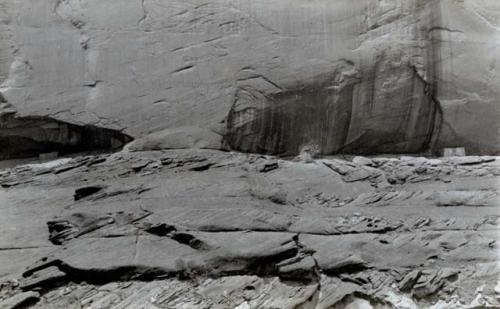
<point x="23" y="137"/>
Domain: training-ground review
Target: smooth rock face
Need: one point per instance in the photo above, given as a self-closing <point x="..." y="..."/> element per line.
<point x="272" y="76"/>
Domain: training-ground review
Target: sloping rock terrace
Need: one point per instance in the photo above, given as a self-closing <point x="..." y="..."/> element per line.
<point x="211" y="229"/>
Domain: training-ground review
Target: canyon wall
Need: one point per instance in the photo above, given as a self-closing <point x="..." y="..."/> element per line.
<point x="364" y="76"/>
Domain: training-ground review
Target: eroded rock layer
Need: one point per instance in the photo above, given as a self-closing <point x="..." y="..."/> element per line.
<point x="210" y="229"/>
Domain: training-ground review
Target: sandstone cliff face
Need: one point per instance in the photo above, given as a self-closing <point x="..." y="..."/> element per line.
<point x="271" y="76"/>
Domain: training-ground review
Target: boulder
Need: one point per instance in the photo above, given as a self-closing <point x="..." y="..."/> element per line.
<point x="177" y="138"/>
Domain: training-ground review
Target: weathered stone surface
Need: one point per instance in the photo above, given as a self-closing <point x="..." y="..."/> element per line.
<point x="164" y="233"/>
<point x="345" y="76"/>
<point x="202" y="228"/>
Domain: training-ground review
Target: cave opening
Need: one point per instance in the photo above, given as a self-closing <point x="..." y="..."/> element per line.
<point x="25" y="137"/>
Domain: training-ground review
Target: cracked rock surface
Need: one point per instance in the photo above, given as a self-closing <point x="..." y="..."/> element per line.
<point x="211" y="229"/>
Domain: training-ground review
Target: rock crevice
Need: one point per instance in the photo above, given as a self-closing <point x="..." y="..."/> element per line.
<point x="34" y="135"/>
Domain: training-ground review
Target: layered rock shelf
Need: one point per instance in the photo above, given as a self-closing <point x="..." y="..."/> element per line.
<point x="204" y="228"/>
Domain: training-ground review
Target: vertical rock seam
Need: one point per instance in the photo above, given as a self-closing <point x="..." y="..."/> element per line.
<point x="435" y="56"/>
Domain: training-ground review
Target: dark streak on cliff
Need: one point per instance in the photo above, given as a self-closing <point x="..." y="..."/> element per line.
<point x="321" y="115"/>
<point x="376" y="110"/>
<point x="434" y="57"/>
<point x="317" y="113"/>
